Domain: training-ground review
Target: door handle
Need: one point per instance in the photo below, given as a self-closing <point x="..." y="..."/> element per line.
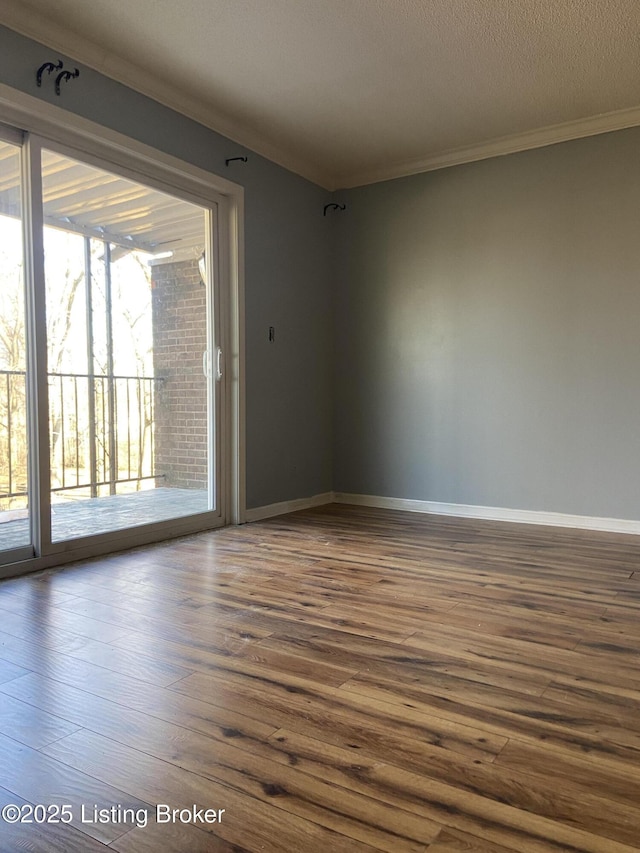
<point x="218" y="363"/>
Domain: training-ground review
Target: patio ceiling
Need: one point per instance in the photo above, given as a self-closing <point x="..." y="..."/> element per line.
<point x="89" y="201"/>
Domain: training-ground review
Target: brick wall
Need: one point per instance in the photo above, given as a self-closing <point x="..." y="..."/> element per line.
<point x="179" y="340"/>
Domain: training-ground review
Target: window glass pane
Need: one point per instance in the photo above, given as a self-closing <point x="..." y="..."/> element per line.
<point x="127" y="320"/>
<point x="14" y="461"/>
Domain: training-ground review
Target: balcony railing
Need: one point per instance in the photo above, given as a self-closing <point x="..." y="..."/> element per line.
<point x="102" y="432"/>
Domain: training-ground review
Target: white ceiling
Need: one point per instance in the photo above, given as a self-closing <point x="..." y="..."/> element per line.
<point x="352" y="91"/>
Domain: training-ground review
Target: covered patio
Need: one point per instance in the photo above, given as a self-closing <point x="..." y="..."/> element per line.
<point x="73" y="519"/>
<point x="126" y="335"/>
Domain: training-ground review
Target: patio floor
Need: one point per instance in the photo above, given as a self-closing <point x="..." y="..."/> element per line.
<point x="73" y="519"/>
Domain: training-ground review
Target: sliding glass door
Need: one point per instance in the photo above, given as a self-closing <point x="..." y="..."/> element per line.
<point x="124" y="295"/>
<point x="128" y="313"/>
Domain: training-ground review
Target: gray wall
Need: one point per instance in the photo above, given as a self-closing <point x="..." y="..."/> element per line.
<point x="288" y="279"/>
<point x="487" y="348"/>
<point x="488" y="333"/>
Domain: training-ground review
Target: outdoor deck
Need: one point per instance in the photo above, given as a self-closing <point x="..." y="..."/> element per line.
<point x="77" y="518"/>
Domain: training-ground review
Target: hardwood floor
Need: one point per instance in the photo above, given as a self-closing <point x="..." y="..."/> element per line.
<point x="341" y="679"/>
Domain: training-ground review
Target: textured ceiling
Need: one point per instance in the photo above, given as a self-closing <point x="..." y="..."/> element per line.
<point x="350" y="91"/>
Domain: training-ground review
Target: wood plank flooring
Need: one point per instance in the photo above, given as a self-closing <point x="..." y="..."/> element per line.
<point x="340" y="679"/>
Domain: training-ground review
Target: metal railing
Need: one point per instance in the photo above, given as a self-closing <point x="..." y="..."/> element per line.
<point x="101" y="429"/>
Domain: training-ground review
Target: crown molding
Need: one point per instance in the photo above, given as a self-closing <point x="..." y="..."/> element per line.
<point x="17" y="17"/>
<point x="22" y="20"/>
<point x="552" y="135"/>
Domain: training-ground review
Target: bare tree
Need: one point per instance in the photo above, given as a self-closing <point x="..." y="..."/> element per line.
<point x="67" y="359"/>
<point x="13" y="418"/>
<point x="61" y="302"/>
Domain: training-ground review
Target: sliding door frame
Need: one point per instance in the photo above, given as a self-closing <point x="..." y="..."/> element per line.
<point x="23" y="552"/>
<point x="46" y="126"/>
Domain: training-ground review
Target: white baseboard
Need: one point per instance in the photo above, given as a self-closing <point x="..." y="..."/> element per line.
<point x="491" y="513"/>
<point x="260" y="512"/>
<point x="488" y="513"/>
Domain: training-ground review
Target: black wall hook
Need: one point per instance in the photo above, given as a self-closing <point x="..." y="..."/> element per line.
<point x="333" y="206"/>
<point x="65" y="75"/>
<point x="48" y="67"/>
<point x="231" y="160"/>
